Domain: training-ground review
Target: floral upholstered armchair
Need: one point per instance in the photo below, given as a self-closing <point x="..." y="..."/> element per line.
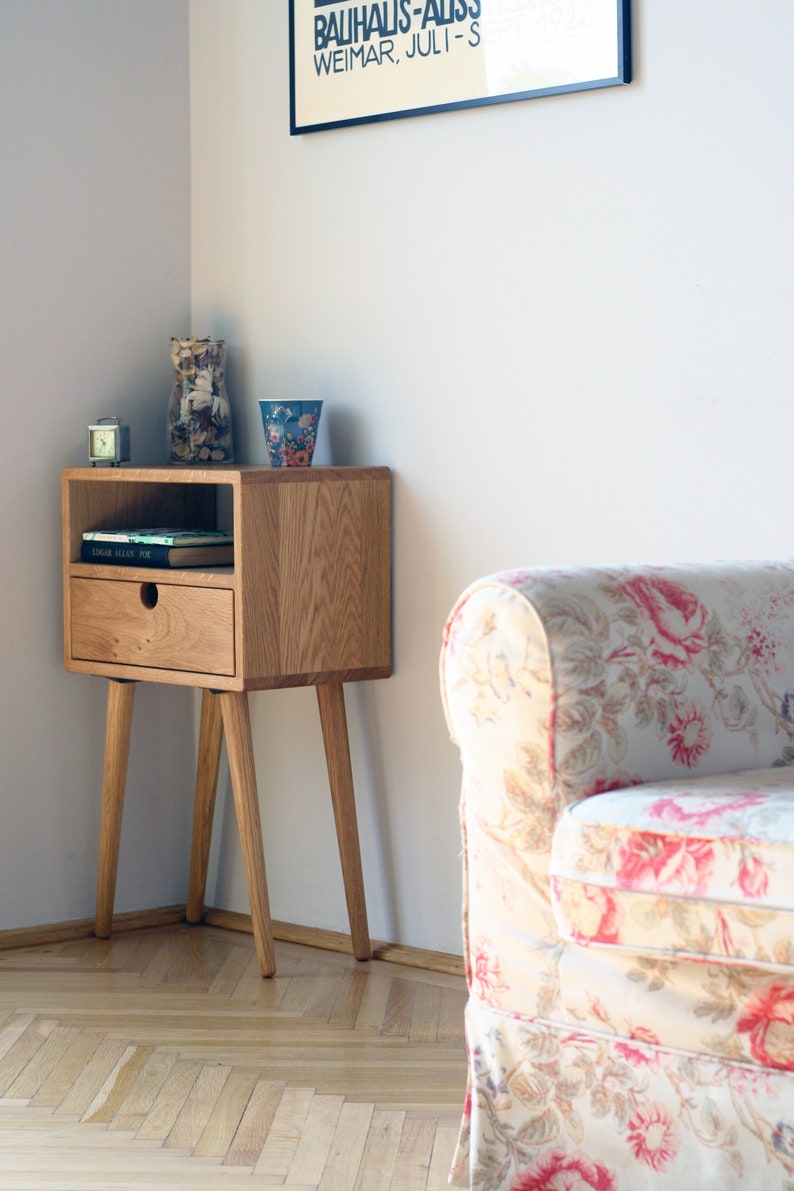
<point x="627" y="741"/>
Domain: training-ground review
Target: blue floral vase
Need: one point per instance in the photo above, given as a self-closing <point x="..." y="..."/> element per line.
<point x="290" y="431"/>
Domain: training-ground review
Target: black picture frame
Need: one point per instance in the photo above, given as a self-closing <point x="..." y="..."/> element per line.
<point x="346" y="55"/>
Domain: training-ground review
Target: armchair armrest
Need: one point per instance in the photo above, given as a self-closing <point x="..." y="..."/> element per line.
<point x="558" y="685"/>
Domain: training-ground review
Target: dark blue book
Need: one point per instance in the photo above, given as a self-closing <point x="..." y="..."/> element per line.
<point x="140" y="554"/>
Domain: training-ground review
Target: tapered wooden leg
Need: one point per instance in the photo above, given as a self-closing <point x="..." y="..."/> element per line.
<point x="237" y="726"/>
<point x="331" y="701"/>
<point x="207" y="766"/>
<point x="121" y="696"/>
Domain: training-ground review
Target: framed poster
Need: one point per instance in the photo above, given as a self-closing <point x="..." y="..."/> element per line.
<point x="357" y="61"/>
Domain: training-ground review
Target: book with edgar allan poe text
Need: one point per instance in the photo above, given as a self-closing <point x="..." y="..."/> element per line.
<point x="158" y="547"/>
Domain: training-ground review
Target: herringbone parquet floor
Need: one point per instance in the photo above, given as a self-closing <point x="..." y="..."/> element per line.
<point x="159" y="1058"/>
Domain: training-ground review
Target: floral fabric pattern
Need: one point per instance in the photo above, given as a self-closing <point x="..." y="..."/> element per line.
<point x="552" y="1108"/>
<point x="627" y="743"/>
<point x="700" y="869"/>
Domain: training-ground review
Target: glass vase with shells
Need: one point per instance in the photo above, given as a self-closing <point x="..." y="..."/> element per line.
<point x="199" y="412"/>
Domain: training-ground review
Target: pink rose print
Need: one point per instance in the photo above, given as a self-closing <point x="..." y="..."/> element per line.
<point x="602" y="783"/>
<point x="452" y="629"/>
<point x="650" y="861"/>
<point x="690" y="734"/>
<point x="517" y="578"/>
<point x="761" y="642"/>
<point x="559" y="1171"/>
<point x="686" y="808"/>
<point x="590" y="911"/>
<point x="753" y="877"/>
<point x="653" y="1137"/>
<point x="674" y="616"/>
<point x="597" y="1008"/>
<point x="724" y="934"/>
<point x="768" y="1020"/>
<point x="486" y="973"/>
<point x="634" y="1055"/>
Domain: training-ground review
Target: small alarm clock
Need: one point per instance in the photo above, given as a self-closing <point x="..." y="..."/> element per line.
<point x="108" y="442"/>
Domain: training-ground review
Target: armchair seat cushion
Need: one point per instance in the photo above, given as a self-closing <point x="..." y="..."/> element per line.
<point x="698" y="869"/>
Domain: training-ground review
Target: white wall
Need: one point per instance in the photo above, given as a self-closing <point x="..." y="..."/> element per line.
<point x="564" y="323"/>
<point x="94" y="278"/>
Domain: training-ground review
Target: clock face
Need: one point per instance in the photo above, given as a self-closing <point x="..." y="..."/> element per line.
<point x="103" y="444"/>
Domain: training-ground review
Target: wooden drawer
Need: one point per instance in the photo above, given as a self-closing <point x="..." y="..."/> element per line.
<point x="162" y="625"/>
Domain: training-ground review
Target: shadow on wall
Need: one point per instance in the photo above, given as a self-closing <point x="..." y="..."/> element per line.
<point x="348" y="443"/>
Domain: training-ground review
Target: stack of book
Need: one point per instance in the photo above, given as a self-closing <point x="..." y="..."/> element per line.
<point x="158" y="547"/>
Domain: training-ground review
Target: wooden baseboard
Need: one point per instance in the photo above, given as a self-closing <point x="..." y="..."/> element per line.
<point x="310" y="936"/>
<point x="83" y="928"/>
<point x="329" y="940"/>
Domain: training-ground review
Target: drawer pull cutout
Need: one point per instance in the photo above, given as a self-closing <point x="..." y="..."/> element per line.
<point x="149" y="595"/>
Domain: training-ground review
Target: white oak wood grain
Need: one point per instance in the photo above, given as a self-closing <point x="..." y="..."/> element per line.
<point x="160" y="1058"/>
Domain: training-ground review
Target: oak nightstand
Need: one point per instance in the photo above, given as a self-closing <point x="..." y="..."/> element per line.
<point x="307" y="602"/>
